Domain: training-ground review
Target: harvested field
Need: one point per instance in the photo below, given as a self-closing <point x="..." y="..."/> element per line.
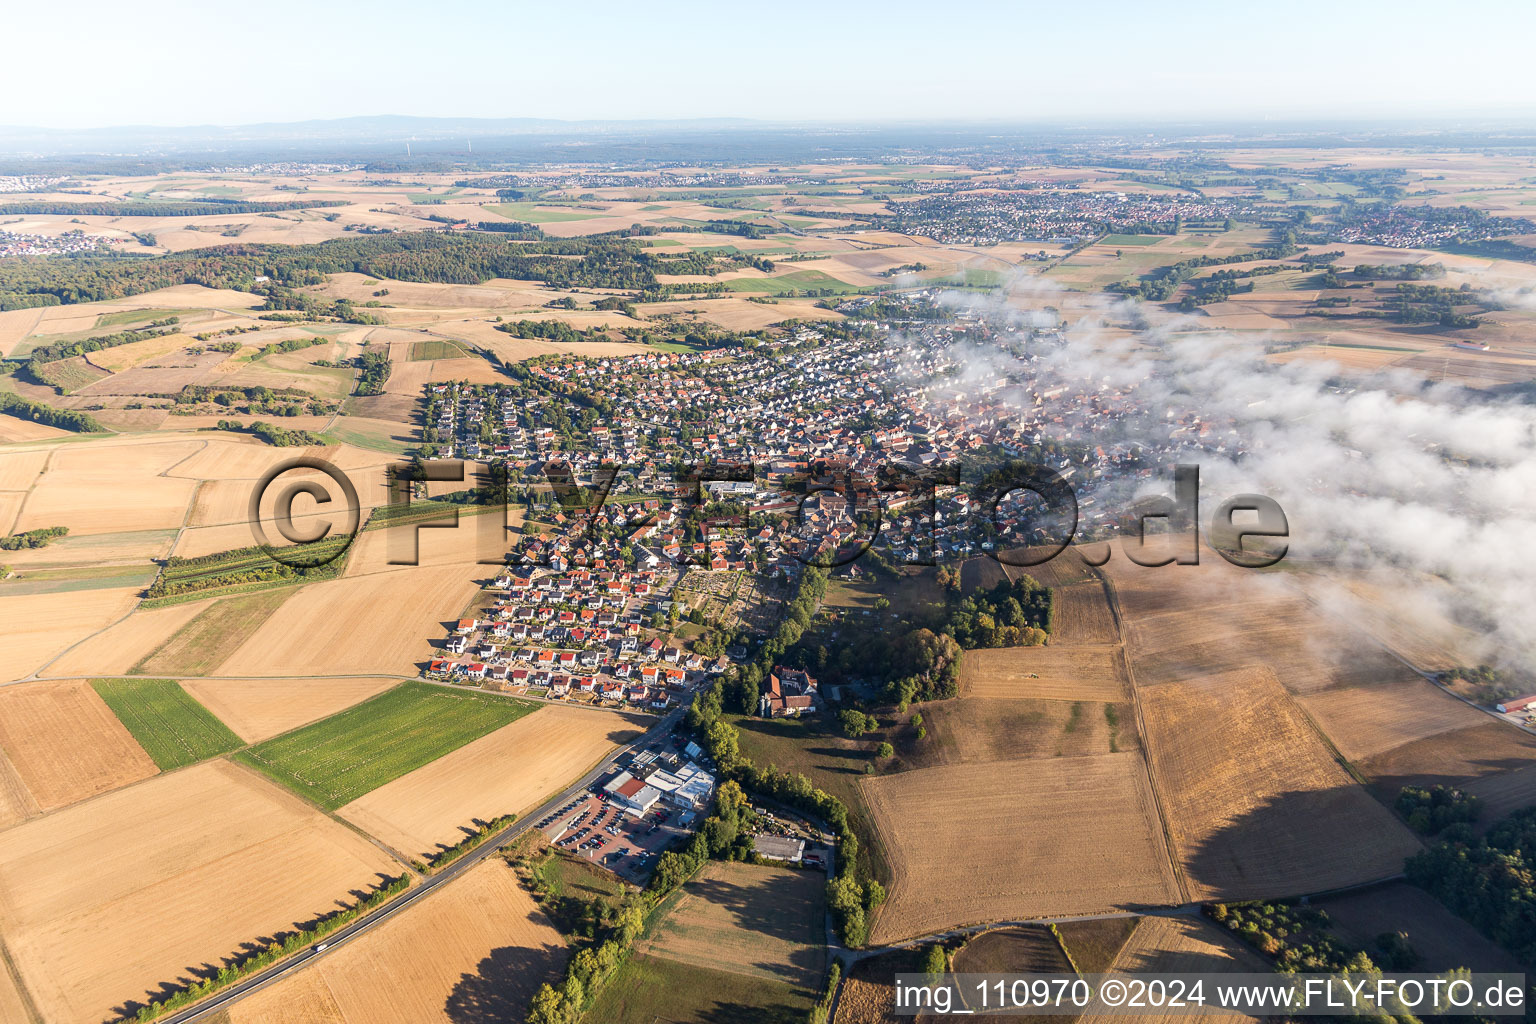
<point x="979" y="729"/>
<point x="95" y="549"/>
<point x="104" y="901"/>
<point x="1168" y="945"/>
<point x="1442" y="940"/>
<point x="121" y="358"/>
<point x="869" y="991"/>
<point x="765" y="922"/>
<point x="978" y="813"/>
<point x="173" y="729"/>
<point x="1027" y="950"/>
<point x="1503" y="793"/>
<point x="206" y="641"/>
<point x="1210" y="618"/>
<point x="508" y="771"/>
<point x="257" y="709"/>
<point x="19" y="470"/>
<point x="1375" y="717"/>
<point x="65" y="744"/>
<point x="1080" y="614"/>
<point x="1052" y="672"/>
<point x="338" y="759"/>
<point x="1453" y="758"/>
<point x="119" y="647"/>
<point x="1094" y="945"/>
<point x="375" y="623"/>
<point x="13" y="429"/>
<point x="475" y="950"/>
<point x="70" y="493"/>
<point x="1256" y="804"/>
<point x="40" y="626"/>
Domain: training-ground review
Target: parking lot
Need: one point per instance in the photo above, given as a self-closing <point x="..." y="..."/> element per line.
<point x="592" y="828"/>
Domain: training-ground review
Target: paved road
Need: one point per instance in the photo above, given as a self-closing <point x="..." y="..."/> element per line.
<point x="344" y="935"/>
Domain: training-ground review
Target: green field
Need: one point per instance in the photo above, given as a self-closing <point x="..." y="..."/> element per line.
<point x="338" y="759"/>
<point x="424" y="350"/>
<point x="135" y="316"/>
<point x="531" y="213"/>
<point x="62" y="581"/>
<point x="799" y="280"/>
<point x="647" y="989"/>
<point x="1131" y="239"/>
<point x="173" y="729"/>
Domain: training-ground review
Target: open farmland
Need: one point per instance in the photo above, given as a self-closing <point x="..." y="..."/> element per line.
<point x="173" y="728"/>
<point x="869" y="989"/>
<point x="647" y="989"/>
<point x="1027" y="950"/>
<point x="116" y="649"/>
<point x="982" y="729"/>
<point x="371" y="623"/>
<point x="1256" y="804"/>
<point x="1022" y="822"/>
<point x="142" y="498"/>
<point x="1080" y="614"/>
<point x="65" y="744"/>
<point x="508" y="771"/>
<point x="473" y="951"/>
<point x="105" y="901"/>
<point x="1453" y="758"/>
<point x="1167" y="945"/>
<point x="260" y="708"/>
<point x="1375" y="717"/>
<point x="1052" y="672"/>
<point x="201" y="645"/>
<point x="338" y="759"/>
<point x="766" y="922"/>
<point x="40" y="626"/>
<point x="1442" y="940"/>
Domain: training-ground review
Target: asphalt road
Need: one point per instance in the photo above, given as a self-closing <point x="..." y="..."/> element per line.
<point x="277" y="972"/>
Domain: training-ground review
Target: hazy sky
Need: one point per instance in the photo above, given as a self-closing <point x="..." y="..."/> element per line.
<point x="109" y="62"/>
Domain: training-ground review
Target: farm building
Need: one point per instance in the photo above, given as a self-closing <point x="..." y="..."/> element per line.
<point x="1518" y="704"/>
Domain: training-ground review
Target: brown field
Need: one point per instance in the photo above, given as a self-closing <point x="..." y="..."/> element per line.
<point x="508" y="771"/>
<point x="10" y="504"/>
<point x="95" y="549"/>
<point x="201" y="645"/>
<point x="255" y="709"/>
<point x="16" y="325"/>
<point x="116" y="649"/>
<point x="1183" y="621"/>
<point x="104" y="901"/>
<point x="19" y="470"/>
<point x="1027" y="950"/>
<point x="1167" y="945"/>
<point x="13" y="429"/>
<point x="1021" y="823"/>
<point x="978" y="729"/>
<point x="41" y="626"/>
<point x="65" y="744"/>
<point x="1256" y="804"/>
<point x="16" y="802"/>
<point x="476" y="950"/>
<point x="1453" y="758"/>
<point x="1443" y="941"/>
<point x="1504" y="793"/>
<point x="763" y="922"/>
<point x="1052" y="672"/>
<point x="869" y="990"/>
<point x="79" y="476"/>
<point x="1375" y="717"/>
<point x="375" y="623"/>
<point x="1080" y="614"/>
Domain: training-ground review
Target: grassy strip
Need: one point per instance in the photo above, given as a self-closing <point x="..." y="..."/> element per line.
<point x="172" y="727"/>
<point x="284" y="944"/>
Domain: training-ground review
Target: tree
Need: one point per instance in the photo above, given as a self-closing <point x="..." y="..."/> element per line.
<point x="935" y="963"/>
<point x="885" y="750"/>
